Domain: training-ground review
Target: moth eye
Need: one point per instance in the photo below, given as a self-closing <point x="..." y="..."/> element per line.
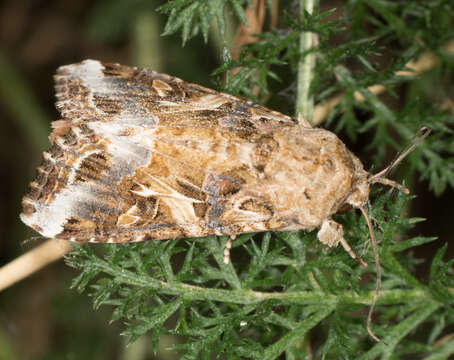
<point x="27" y="209"/>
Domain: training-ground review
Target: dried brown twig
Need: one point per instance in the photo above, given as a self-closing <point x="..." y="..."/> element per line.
<point x="255" y="16"/>
<point x="32" y="261"/>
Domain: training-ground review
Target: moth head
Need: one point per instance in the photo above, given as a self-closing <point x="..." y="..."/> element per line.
<point x="360" y="192"/>
<point x="360" y="187"/>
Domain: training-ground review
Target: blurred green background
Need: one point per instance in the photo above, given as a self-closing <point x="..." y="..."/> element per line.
<point x="41" y="318"/>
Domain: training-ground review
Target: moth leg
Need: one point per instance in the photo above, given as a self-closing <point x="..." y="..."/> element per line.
<point x="331" y="233"/>
<point x="228" y="246"/>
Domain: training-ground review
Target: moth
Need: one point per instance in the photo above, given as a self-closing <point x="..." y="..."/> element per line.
<point x="141" y="155"/>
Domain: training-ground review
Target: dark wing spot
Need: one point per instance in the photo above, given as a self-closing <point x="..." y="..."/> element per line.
<point x="189" y="191"/>
<point x="119" y="70"/>
<point x="263" y="151"/>
<point x="258" y="206"/>
<point x="200" y="209"/>
<point x="92" y="167"/>
<point x="220" y="185"/>
<point x="107" y="105"/>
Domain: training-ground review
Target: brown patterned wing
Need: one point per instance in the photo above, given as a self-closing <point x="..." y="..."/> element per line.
<point x="141" y="155"/>
<point x="133" y="97"/>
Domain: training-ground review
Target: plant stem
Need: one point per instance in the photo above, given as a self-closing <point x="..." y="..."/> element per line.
<point x="247" y="296"/>
<point x="306" y="64"/>
<point x="34" y="260"/>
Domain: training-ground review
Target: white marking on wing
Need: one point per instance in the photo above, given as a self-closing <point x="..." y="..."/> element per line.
<point x="180" y="206"/>
<point x="147" y="192"/>
<point x="128" y="219"/>
<point x="207" y="102"/>
<point x="78" y="162"/>
<point x="51" y="217"/>
<point x="128" y="149"/>
<point x="90" y="72"/>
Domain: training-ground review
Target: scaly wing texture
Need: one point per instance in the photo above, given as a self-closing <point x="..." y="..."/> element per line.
<point x="141" y="155"/>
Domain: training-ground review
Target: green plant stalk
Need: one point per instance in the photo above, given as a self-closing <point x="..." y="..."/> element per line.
<point x="247" y="296"/>
<point x="306" y="65"/>
<point x="442" y="352"/>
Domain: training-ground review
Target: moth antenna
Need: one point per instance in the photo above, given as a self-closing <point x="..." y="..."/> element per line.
<point x="380" y="177"/>
<point x="378" y="281"/>
<point x="394" y="184"/>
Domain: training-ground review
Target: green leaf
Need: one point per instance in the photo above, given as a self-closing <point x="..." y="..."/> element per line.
<point x="156" y="319"/>
<point x="291" y="337"/>
<point x="409" y="243"/>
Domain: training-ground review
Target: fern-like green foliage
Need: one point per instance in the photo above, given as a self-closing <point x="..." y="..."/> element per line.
<point x="194" y="16"/>
<point x="284" y="295"/>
